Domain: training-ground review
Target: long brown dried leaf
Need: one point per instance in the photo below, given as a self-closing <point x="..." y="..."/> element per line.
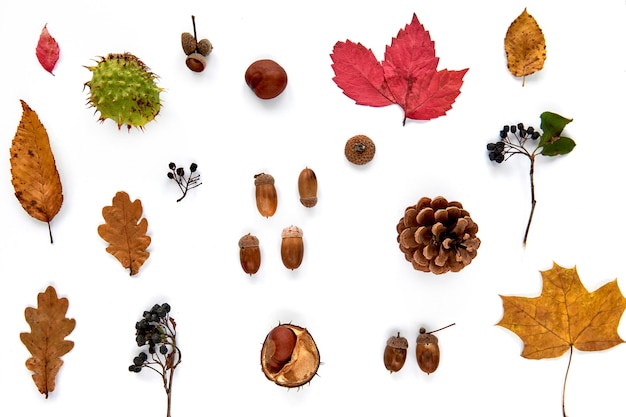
<point x="46" y="340"/>
<point x="525" y="46"/>
<point x="125" y="232"/>
<point x="35" y="177"/>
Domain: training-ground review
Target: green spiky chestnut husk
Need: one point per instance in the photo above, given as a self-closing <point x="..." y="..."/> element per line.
<point x="123" y="89"/>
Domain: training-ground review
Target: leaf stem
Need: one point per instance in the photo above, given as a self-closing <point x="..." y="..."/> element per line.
<point x="532" y="196"/>
<point x="569" y="362"/>
<point x="50" y="233"/>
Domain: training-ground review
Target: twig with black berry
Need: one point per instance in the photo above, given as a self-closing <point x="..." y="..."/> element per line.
<point x="515" y="138"/>
<point x="184" y="183"/>
<point x="158" y="330"/>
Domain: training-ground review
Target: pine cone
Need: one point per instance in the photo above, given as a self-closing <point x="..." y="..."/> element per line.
<point x="438" y="236"/>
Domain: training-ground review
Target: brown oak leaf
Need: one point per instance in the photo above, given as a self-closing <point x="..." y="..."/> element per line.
<point x="35" y="177"/>
<point x="46" y="340"/>
<point x="125" y="232"/>
<point x="565" y="316"/>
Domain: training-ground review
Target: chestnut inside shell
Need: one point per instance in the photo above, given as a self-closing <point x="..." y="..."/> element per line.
<point x="300" y="368"/>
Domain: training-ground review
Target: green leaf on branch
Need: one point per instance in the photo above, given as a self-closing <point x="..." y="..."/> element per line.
<point x="561" y="146"/>
<point x="552" y="125"/>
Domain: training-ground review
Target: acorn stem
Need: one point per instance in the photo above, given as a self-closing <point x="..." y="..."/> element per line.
<point x="445" y="327"/>
<point x="193" y="22"/>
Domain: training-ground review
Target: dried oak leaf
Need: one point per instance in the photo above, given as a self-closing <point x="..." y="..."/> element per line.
<point x="125" y="232"/>
<point x="408" y="76"/>
<point x="565" y="316"/>
<point x="525" y="46"/>
<point x="35" y="177"/>
<point x="47" y="50"/>
<point x="46" y="340"/>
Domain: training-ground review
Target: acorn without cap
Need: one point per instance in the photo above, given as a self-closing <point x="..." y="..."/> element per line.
<point x="307" y="187"/>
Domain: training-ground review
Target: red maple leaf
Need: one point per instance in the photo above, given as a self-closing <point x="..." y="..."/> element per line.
<point x="47" y="50"/>
<point x="408" y="76"/>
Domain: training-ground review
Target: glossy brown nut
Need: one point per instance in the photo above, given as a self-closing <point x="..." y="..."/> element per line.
<point x="265" y="193"/>
<point x="427" y="351"/>
<point x="395" y="353"/>
<point x="249" y="254"/>
<point x="292" y="247"/>
<point x="266" y="78"/>
<point x="307" y="187"/>
<point x="289" y="356"/>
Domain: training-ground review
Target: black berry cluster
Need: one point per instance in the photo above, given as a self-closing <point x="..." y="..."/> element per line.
<point x="512" y="141"/>
<point x="184" y="183"/>
<point x="151" y="330"/>
<point x="157" y="330"/>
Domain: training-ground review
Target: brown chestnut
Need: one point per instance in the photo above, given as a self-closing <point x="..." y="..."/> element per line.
<point x="289" y="356"/>
<point x="266" y="78"/>
<point x="307" y="187"/>
<point x="265" y="193"/>
<point x="249" y="254"/>
<point x="292" y="247"/>
<point x="395" y="353"/>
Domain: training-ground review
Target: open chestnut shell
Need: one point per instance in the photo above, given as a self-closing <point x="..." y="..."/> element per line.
<point x="289" y="356"/>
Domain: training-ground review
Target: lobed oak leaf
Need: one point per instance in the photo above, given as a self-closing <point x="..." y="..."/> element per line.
<point x="565" y="316"/>
<point x="47" y="50"/>
<point x="46" y="340"/>
<point x="525" y="46"/>
<point x="34" y="174"/>
<point x="125" y="231"/>
<point x="408" y="75"/>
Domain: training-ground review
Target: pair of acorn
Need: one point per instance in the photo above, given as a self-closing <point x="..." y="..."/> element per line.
<point x="196" y="50"/>
<point x="427" y="351"/>
<point x="267" y="198"/>
<point x="291" y="250"/>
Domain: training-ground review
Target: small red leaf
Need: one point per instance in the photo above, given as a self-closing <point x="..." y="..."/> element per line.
<point x="408" y="76"/>
<point x="360" y="75"/>
<point x="47" y="50"/>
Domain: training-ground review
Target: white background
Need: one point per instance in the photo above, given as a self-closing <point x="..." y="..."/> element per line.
<point x="354" y="288"/>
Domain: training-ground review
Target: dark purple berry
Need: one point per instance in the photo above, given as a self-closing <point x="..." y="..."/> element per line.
<point x="163" y="349"/>
<point x="172" y="165"/>
<point x="520" y="126"/>
<point x="535" y="135"/>
<point x="180" y="171"/>
<point x="499" y="158"/>
<point x="170" y="175"/>
<point x="502" y="134"/>
<point x="491" y="146"/>
<point x="193" y="167"/>
<point x="513" y="128"/>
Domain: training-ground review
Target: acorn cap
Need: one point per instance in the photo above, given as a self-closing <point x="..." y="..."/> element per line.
<point x="291" y="231"/>
<point x="196" y="62"/>
<point x="262" y="178"/>
<point x="188" y="42"/>
<point x="398" y="342"/>
<point x="360" y="149"/>
<point x="248" y="241"/>
<point x="204" y="47"/>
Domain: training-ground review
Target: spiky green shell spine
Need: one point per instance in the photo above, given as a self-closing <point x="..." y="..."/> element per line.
<point x="123" y="89"/>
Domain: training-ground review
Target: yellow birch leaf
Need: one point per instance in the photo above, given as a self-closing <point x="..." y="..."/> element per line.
<point x="46" y="340"/>
<point x="125" y="232"/>
<point x="525" y="46"/>
<point x="35" y="177"/>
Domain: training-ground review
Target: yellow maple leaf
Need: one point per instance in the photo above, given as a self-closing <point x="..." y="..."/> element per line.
<point x="565" y="316"/>
<point x="525" y="46"/>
